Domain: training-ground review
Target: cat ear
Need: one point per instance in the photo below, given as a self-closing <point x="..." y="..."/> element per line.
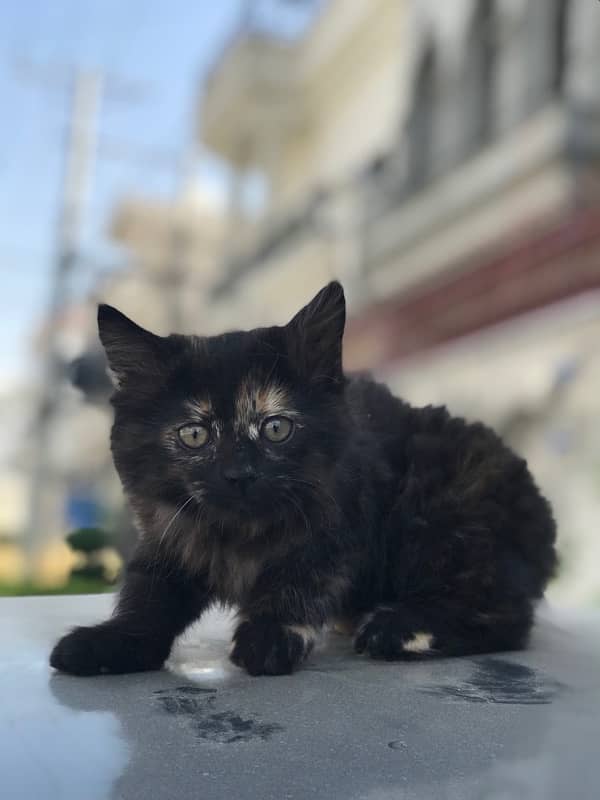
<point x="314" y="336"/>
<point x="130" y="350"/>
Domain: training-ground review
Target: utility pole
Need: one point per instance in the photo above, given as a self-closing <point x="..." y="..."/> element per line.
<point x="87" y="91"/>
<point x="79" y="157"/>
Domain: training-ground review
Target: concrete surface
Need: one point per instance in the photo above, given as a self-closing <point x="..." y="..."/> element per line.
<point x="520" y="725"/>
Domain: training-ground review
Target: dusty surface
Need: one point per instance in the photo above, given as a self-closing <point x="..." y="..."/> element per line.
<point x="519" y="725"/>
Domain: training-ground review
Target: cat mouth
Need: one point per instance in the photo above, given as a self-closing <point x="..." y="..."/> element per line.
<point x="262" y="502"/>
<point x="234" y="504"/>
<point x="245" y="514"/>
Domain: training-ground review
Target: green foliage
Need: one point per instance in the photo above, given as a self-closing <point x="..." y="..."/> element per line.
<point x="88" y="540"/>
<point x="93" y="571"/>
<point x="75" y="585"/>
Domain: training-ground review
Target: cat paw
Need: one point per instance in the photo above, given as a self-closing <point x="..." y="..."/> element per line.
<point x="385" y="635"/>
<point x="105" y="649"/>
<point x="265" y="647"/>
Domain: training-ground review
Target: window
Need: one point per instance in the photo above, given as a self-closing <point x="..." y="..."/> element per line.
<point x="559" y="40"/>
<point x="421" y="121"/>
<point x="480" y="73"/>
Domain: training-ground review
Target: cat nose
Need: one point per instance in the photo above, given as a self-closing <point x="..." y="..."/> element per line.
<point x="240" y="477"/>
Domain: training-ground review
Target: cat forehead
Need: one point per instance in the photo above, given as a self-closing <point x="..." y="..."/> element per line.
<point x="254" y="396"/>
<point x="256" y="399"/>
<point x="259" y="396"/>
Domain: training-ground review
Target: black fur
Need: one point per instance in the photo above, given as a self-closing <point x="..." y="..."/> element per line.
<point x="422" y="531"/>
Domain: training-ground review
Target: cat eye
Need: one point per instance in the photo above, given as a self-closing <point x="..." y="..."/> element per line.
<point x="277" y="429"/>
<point x="193" y="436"/>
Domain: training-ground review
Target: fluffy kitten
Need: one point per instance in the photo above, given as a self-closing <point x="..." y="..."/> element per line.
<point x="263" y="477"/>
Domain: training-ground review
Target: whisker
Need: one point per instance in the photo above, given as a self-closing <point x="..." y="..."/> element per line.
<point x="172" y="520"/>
<point x="317" y="490"/>
<point x="290" y="497"/>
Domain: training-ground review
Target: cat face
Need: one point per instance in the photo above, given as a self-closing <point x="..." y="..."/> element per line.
<point x="245" y="426"/>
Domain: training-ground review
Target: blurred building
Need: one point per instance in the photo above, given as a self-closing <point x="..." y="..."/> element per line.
<point x="13" y="481"/>
<point x="443" y="161"/>
<point x="174" y="251"/>
<point x="307" y="114"/>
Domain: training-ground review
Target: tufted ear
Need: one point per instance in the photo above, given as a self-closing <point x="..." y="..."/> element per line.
<point x="314" y="336"/>
<point x="130" y="350"/>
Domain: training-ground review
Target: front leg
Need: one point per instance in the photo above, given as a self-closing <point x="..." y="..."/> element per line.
<point x="263" y="645"/>
<point x="281" y="620"/>
<point x="155" y="605"/>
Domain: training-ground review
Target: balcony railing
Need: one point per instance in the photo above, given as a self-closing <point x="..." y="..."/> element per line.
<point x="281" y="234"/>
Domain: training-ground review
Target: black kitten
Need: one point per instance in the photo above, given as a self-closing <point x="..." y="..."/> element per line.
<point x="263" y="477"/>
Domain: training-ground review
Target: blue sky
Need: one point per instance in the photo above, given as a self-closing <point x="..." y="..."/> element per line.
<point x="166" y="45"/>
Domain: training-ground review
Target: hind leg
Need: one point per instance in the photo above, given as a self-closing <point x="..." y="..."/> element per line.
<point x="402" y="631"/>
<point x="392" y="632"/>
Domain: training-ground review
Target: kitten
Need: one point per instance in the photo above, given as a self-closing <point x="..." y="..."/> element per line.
<point x="263" y="477"/>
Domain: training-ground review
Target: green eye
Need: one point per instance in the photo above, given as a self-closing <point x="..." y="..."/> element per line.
<point x="277" y="429"/>
<point x="193" y="436"/>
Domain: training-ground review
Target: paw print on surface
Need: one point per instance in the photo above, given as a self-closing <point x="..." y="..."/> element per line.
<point x="221" y="727"/>
<point x="226" y="727"/>
<point x="496" y="680"/>
<point x="185" y="699"/>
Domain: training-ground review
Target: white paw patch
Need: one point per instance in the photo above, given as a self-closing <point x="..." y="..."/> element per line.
<point x="418" y="643"/>
<point x="307" y="633"/>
